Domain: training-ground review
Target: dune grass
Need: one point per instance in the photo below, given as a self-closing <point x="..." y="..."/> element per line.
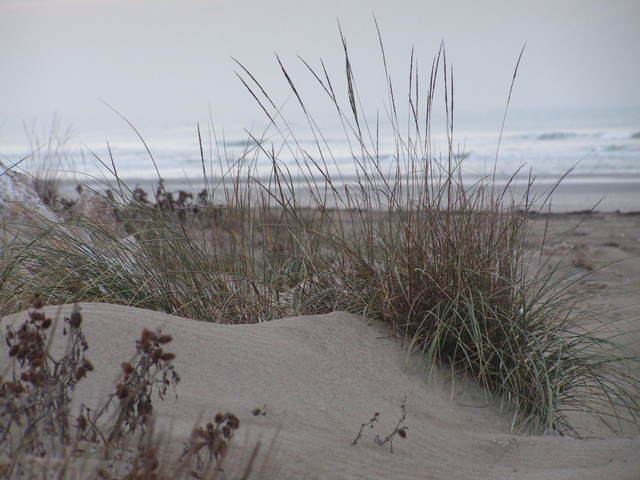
<point x="401" y="238"/>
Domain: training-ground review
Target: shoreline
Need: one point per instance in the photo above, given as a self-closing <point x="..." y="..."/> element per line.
<point x="576" y="194"/>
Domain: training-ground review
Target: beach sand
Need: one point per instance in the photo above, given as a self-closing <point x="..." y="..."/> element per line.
<point x="318" y="378"/>
<point x="604" y="193"/>
<point x="601" y="253"/>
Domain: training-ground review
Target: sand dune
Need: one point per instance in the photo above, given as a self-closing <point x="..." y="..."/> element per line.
<point x="319" y="378"/>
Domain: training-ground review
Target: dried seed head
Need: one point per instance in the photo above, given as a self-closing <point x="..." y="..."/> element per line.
<point x="122" y="391"/>
<point x="81" y="422"/>
<point x="81" y="373"/>
<point x="33" y="354"/>
<point x="233" y="421"/>
<point x="219" y="417"/>
<point x="14" y="387"/>
<point x="36" y="379"/>
<point x="148" y="335"/>
<point x="168" y="356"/>
<point x="75" y="319"/>
<point x="402" y="432"/>
<point x="46" y="323"/>
<point x="127" y="368"/>
<point x="256" y="412"/>
<point x="165" y="338"/>
<point x="22" y="352"/>
<point x="152" y="463"/>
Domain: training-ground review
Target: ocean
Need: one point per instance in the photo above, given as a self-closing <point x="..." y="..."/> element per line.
<point x="600" y="148"/>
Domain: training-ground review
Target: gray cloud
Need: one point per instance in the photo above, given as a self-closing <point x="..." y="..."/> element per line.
<point x="161" y="61"/>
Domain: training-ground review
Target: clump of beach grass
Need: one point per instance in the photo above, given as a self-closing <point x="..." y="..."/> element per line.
<point x="402" y="238"/>
<point x="47" y="162"/>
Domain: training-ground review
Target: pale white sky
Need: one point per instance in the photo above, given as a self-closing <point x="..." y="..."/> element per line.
<point x="162" y="62"/>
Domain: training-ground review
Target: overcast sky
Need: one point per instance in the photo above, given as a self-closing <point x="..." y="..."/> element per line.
<point x="162" y="62"/>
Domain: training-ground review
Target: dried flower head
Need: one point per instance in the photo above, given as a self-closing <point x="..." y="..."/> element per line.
<point x="37" y="362"/>
<point x="81" y="373"/>
<point x="148" y="335"/>
<point x="75" y="319"/>
<point x="15" y="388"/>
<point x="37" y="379"/>
<point x="233" y="421"/>
<point x="88" y="365"/>
<point x="37" y="301"/>
<point x="122" y="391"/>
<point x="127" y="368"/>
<point x="168" y="356"/>
<point x="81" y="422"/>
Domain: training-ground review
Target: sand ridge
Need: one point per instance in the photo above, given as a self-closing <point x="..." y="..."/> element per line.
<point x="319" y="378"/>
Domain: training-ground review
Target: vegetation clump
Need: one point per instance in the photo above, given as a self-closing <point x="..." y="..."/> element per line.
<point x="40" y="435"/>
<point x="401" y="237"/>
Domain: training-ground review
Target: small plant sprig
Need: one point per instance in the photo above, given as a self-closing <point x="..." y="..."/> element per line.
<point x="400" y="429"/>
<point x="214" y="438"/>
<point x="369" y="424"/>
<point x="259" y="411"/>
<point x="35" y="402"/>
<point x="151" y="369"/>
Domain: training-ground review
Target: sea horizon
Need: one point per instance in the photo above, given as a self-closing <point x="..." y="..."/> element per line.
<point x="597" y="152"/>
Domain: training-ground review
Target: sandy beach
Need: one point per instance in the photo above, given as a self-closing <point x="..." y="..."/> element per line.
<point x="318" y="378"/>
<point x="604" y="245"/>
<point x="608" y="193"/>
